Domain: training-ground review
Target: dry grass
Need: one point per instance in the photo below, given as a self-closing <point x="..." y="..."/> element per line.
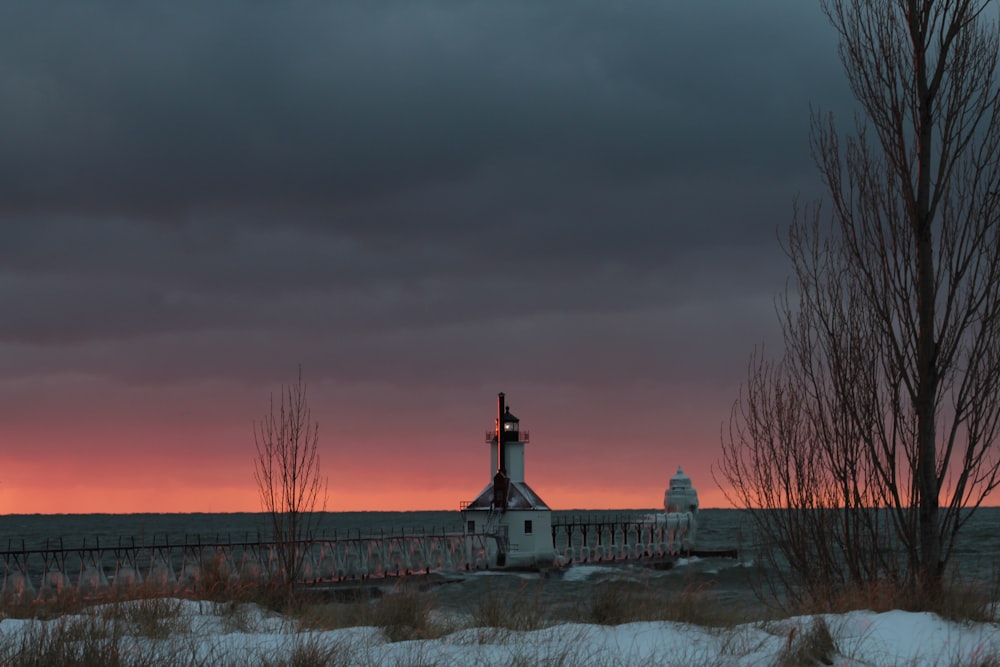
<point x="403" y="614"/>
<point x="977" y="661"/>
<point x="520" y="610"/>
<point x="811" y="646"/>
<point x="335" y="615"/>
<point x="310" y="651"/>
<point x="406" y="606"/>
<point x="956" y="600"/>
<point x="75" y="641"/>
<point x="74" y="630"/>
<point x="614" y="603"/>
<point x="154" y="617"/>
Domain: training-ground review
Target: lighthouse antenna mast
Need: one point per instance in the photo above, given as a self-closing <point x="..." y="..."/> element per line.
<point x="501" y="454"/>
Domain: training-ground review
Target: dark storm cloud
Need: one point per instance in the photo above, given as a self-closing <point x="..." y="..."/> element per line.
<point x="185" y="184"/>
<point x="165" y="109"/>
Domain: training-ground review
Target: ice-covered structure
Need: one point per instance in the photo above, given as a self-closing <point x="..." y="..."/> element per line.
<point x="680" y="505"/>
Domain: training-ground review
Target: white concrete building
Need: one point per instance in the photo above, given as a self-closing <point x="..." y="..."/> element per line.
<point x="507" y="508"/>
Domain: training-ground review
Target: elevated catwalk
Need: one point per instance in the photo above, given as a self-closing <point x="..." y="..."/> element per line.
<point x="95" y="567"/>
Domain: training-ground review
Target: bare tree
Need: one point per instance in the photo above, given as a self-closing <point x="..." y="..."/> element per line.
<point x="888" y="394"/>
<point x="287" y="472"/>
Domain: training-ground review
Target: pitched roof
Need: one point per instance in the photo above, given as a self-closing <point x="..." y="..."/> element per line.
<point x="519" y="497"/>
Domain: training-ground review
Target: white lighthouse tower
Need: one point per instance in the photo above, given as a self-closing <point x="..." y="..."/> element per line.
<point x="507" y="508"/>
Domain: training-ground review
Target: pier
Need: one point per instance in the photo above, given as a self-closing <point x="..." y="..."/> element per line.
<point x="616" y="538"/>
<point x="93" y="567"/>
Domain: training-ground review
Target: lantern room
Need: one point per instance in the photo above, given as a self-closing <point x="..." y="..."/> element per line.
<point x="506" y="442"/>
<point x="510" y="427"/>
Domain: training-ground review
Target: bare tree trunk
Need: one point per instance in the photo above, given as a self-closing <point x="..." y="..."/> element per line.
<point x="892" y="329"/>
<point x="926" y="373"/>
<point x="287" y="472"/>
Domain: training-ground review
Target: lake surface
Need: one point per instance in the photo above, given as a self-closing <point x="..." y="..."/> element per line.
<point x="717" y="529"/>
<point x="976" y="556"/>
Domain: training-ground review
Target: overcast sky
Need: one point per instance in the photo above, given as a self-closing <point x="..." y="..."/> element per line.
<point x="422" y="203"/>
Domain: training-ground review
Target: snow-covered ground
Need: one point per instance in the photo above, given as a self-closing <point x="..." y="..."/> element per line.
<point x="226" y="634"/>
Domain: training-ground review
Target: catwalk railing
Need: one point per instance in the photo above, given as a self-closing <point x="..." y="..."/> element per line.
<point x="589" y="539"/>
<point x="91" y="567"/>
<point x="97" y="566"/>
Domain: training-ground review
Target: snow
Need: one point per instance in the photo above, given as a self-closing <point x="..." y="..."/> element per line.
<point x="224" y="633"/>
<point x="584" y="572"/>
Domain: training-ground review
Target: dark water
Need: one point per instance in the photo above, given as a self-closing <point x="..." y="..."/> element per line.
<point x="976" y="555"/>
<point x="717" y="529"/>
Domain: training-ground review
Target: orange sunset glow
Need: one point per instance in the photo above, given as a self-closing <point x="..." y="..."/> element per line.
<point x="209" y="469"/>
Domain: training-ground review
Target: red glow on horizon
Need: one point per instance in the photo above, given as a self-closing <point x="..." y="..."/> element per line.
<point x="174" y="472"/>
<point x="83" y="446"/>
<point x="351" y="496"/>
<point x="390" y="497"/>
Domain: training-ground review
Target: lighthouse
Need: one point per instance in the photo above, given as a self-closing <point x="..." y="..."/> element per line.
<point x="507" y="509"/>
<point x="680" y="505"/>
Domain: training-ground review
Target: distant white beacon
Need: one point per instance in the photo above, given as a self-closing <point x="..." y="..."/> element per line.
<point x="680" y="497"/>
<point x="680" y="504"/>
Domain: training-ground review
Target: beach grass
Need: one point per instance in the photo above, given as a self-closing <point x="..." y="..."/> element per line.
<point x="142" y="626"/>
<point x="956" y="600"/>
<point x="615" y="603"/>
